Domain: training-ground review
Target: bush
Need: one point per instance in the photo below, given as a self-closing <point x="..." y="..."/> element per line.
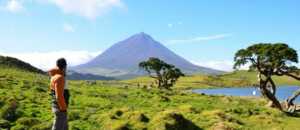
<point x="8" y="111"/>
<point x="4" y="124"/>
<point x="221" y="126"/>
<point x="20" y="127"/>
<point x="82" y="125"/>
<point x="73" y="115"/>
<point x="124" y="119"/>
<point x="188" y="109"/>
<point x="26" y="121"/>
<point x="219" y="118"/>
<point x="119" y="125"/>
<point x="42" y="126"/>
<point x="171" y="120"/>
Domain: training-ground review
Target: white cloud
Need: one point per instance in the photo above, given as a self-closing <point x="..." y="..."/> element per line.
<point x="224" y="65"/>
<point x="68" y="28"/>
<point x="171" y="25"/>
<point x="47" y="60"/>
<point x="14" y="6"/>
<point x="199" y="39"/>
<point x="87" y="8"/>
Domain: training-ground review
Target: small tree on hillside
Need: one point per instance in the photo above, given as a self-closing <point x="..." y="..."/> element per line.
<point x="268" y="60"/>
<point x="165" y="74"/>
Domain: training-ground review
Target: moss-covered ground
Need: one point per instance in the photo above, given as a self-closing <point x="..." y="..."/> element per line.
<point x="115" y="105"/>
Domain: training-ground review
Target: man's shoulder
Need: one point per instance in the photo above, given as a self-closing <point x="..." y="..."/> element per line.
<point x="57" y="78"/>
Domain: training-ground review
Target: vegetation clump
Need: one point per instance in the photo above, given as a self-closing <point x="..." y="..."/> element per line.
<point x="172" y="120"/>
<point x="269" y="60"/>
<point x="107" y="106"/>
<point x="4" y="124"/>
<point x="16" y="63"/>
<point x="8" y="111"/>
<point x="124" y="119"/>
<point x="165" y="74"/>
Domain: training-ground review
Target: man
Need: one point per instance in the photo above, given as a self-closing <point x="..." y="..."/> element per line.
<point x="59" y="101"/>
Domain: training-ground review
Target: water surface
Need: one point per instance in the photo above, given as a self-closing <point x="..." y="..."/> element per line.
<point x="283" y="92"/>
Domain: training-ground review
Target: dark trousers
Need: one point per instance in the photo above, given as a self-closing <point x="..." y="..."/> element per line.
<point x="60" y="119"/>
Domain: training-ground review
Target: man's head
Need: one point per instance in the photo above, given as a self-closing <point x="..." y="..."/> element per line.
<point x="61" y="63"/>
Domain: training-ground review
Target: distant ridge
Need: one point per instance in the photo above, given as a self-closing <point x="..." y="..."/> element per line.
<point x="81" y="76"/>
<point x="16" y="63"/>
<point x="122" y="59"/>
<point x="12" y="62"/>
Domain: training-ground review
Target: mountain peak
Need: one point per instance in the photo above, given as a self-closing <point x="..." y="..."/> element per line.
<point x="123" y="58"/>
<point x="142" y="36"/>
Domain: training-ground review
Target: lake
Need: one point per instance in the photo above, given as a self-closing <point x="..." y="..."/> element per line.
<point x="283" y="92"/>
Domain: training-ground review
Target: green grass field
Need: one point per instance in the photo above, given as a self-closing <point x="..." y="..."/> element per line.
<point x="234" y="79"/>
<point x="108" y="105"/>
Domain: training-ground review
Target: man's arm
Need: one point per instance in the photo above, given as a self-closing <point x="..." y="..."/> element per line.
<point x="59" y="93"/>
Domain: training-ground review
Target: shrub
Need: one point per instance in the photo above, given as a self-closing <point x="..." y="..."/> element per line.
<point x="73" y="115"/>
<point x="188" y="109"/>
<point x="124" y="119"/>
<point x="4" y="124"/>
<point x="42" y="126"/>
<point x="221" y="126"/>
<point x="27" y="121"/>
<point x="171" y="120"/>
<point x="20" y="127"/>
<point x="8" y="111"/>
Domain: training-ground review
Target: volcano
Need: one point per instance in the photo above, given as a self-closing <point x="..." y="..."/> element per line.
<point x="122" y="59"/>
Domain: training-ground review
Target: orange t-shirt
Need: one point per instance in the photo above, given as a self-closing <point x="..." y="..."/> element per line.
<point x="57" y="84"/>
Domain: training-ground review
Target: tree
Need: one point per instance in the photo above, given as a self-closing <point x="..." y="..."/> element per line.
<point x="268" y="60"/>
<point x="290" y="101"/>
<point x="165" y="74"/>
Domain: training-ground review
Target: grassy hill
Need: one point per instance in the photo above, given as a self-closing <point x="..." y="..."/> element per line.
<point x="234" y="79"/>
<point x="25" y="104"/>
<point x="16" y="63"/>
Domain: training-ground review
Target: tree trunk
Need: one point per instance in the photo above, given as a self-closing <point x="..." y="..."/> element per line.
<point x="158" y="83"/>
<point x="273" y="86"/>
<point x="291" y="99"/>
<point x="268" y="94"/>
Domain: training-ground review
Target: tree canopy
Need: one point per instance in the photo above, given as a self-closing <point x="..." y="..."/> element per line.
<point x="269" y="59"/>
<point x="165" y="74"/>
<point x="277" y="58"/>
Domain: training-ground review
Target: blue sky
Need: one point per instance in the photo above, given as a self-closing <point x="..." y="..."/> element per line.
<point x="206" y="32"/>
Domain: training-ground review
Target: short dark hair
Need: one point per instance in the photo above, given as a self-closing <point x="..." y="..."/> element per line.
<point x="61" y="63"/>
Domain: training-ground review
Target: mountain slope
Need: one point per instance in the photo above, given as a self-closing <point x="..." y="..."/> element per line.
<point x="72" y="75"/>
<point x="123" y="58"/>
<point x="16" y="63"/>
